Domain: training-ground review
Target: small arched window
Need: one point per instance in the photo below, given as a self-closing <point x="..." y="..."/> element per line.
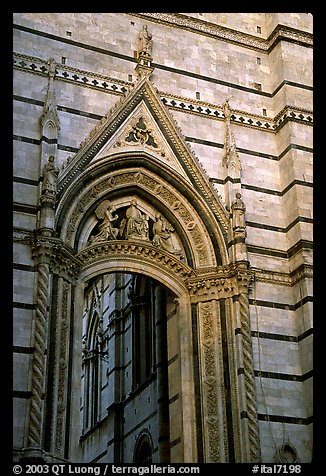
<point x="143" y="450"/>
<point x="91" y="373"/>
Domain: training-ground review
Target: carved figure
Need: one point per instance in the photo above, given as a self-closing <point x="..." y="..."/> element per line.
<point x="100" y="331"/>
<point x="51" y="64"/>
<point x="238" y="210"/>
<point x="145" y="42"/>
<point x="226" y="109"/>
<point x="135" y="224"/>
<point x="162" y="235"/>
<point x="84" y="347"/>
<point x="50" y="177"/>
<point x="106" y="229"/>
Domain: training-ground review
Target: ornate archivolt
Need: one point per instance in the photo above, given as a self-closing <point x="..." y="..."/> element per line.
<point x="141" y="181"/>
<point x="135" y="257"/>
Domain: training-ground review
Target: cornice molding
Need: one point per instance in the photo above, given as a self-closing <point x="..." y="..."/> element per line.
<point x="205" y="282"/>
<point x="281" y="32"/>
<point x="305" y="271"/>
<point x="120" y="88"/>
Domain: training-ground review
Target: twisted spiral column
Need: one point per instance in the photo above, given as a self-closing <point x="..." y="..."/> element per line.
<point x="250" y="390"/>
<point x="38" y="364"/>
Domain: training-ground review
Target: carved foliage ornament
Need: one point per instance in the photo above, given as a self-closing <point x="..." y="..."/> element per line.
<point x="225" y="283"/>
<point x="210" y="388"/>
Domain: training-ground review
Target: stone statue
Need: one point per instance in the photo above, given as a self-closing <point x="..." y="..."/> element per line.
<point x="162" y="235"/>
<point x="145" y="42"/>
<point x="238" y="210"/>
<point x="106" y="229"/>
<point x="135" y="225"/>
<point x="51" y="69"/>
<point x="226" y="110"/>
<point x="100" y="331"/>
<point x="84" y="347"/>
<point x="50" y="177"/>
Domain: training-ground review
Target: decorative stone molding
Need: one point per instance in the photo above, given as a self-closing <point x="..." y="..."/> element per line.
<point x="304" y="271"/>
<point x="240" y="118"/>
<point x="49" y="254"/>
<point x="282" y="32"/>
<point x="117" y="87"/>
<point x="224" y="282"/>
<point x="22" y="237"/>
<point x="249" y="380"/>
<point x="141" y="251"/>
<point x="246" y="40"/>
<point x="291" y="113"/>
<point x="77" y="76"/>
<point x="35" y="428"/>
<point x="213" y="396"/>
<point x="209" y="387"/>
<point x="62" y="350"/>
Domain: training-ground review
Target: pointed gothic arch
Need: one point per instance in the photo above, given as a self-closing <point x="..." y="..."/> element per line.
<point x="139" y="153"/>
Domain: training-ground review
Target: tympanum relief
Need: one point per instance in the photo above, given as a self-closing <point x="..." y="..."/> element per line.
<point x="132" y="223"/>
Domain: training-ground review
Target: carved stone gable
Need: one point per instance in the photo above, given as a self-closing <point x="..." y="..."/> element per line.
<point x="140" y="132"/>
<point x="140" y="122"/>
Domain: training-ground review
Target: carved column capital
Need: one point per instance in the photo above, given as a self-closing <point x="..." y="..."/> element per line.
<point x="42" y="248"/>
<point x="65" y="261"/>
<point x="61" y="258"/>
<point x="222" y="282"/>
<point x="244" y="279"/>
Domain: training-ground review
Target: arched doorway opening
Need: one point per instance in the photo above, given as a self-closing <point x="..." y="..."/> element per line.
<point x="141" y="218"/>
<point x="130" y="368"/>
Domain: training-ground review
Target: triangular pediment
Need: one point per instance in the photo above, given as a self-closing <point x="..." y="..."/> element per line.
<point x="140" y="132"/>
<point x="140" y="122"/>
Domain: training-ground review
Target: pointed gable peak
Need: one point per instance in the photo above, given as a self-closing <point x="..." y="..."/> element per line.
<point x="140" y="120"/>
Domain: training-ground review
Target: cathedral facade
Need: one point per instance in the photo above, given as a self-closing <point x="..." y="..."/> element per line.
<point x="162" y="237"/>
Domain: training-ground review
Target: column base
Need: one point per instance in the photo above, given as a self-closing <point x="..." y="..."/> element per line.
<point x="33" y="455"/>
